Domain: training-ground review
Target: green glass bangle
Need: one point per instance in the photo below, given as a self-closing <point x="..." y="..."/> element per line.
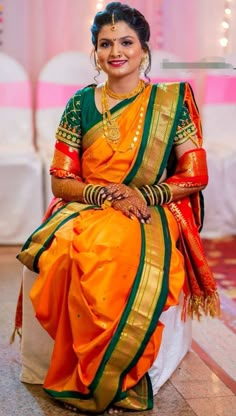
<point x="158" y="194"/>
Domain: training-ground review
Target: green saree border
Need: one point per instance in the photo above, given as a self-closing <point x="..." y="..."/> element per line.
<point x="162" y="298"/>
<point x="144" y="141"/>
<point x="173" y="130"/>
<point x="29" y="239"/>
<point x="124" y="316"/>
<point x="84" y="397"/>
<point x="157" y="99"/>
<point x="145" y="383"/>
<point x="37" y="243"/>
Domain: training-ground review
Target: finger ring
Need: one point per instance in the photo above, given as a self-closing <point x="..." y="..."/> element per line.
<point x="106" y="204"/>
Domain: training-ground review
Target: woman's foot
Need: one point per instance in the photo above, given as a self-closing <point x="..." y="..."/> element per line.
<point x="70" y="407"/>
<point x="114" y="410"/>
<point x="111" y="411"/>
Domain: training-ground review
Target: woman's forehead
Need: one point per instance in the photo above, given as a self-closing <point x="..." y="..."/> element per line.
<point x="122" y="29"/>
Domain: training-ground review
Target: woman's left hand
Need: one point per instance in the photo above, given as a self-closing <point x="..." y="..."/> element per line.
<point x="115" y="191"/>
<point x="128" y="201"/>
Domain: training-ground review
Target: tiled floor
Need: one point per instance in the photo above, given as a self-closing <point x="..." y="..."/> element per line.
<point x="193" y="390"/>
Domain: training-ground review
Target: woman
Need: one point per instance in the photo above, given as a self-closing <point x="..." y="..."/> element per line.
<point x="120" y="240"/>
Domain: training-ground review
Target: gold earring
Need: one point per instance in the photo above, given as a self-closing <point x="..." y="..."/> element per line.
<point x="144" y="63"/>
<point x="98" y="66"/>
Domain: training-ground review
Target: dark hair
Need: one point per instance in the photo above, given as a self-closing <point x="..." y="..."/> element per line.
<point x="134" y="19"/>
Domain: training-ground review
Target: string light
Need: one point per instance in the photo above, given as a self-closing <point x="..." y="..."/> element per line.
<point x="225" y="24"/>
<point x="224" y="42"/>
<point x="99" y="5"/>
<point x="1" y="21"/>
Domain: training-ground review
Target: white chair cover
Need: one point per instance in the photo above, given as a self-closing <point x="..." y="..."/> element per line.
<point x="218" y="120"/>
<point x="21" y="190"/>
<point x="15" y="107"/>
<point x="60" y="78"/>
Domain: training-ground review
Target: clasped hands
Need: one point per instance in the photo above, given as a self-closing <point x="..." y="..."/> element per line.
<point x="128" y="201"/>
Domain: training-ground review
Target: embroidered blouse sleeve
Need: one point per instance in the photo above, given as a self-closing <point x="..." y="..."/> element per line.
<point x="186" y="129"/>
<point x="66" y="158"/>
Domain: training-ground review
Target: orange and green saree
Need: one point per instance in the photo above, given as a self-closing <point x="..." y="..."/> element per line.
<point x="104" y="279"/>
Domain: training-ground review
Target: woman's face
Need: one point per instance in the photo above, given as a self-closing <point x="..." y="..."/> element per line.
<point x="119" y="51"/>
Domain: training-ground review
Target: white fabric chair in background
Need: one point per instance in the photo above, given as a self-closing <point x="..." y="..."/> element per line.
<point x="59" y="79"/>
<point x="21" y="192"/>
<point x="218" y="120"/>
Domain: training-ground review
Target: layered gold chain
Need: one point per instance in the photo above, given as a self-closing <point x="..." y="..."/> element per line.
<point x="117" y="96"/>
<point x="111" y="127"/>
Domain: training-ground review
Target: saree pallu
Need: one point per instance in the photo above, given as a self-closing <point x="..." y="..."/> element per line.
<point x="104" y="279"/>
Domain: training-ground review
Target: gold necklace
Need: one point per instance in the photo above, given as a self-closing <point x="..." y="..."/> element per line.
<point x="117" y="96"/>
<point x="111" y="127"/>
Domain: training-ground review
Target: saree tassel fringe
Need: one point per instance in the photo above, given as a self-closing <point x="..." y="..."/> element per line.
<point x="18" y="317"/>
<point x="184" y="309"/>
<point x="212" y="305"/>
<point x="200" y="305"/>
<point x="196" y="307"/>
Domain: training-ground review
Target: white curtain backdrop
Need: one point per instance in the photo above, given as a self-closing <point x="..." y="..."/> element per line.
<point x="35" y="31"/>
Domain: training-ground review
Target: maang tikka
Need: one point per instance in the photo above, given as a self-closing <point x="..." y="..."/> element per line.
<point x="113" y="26"/>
